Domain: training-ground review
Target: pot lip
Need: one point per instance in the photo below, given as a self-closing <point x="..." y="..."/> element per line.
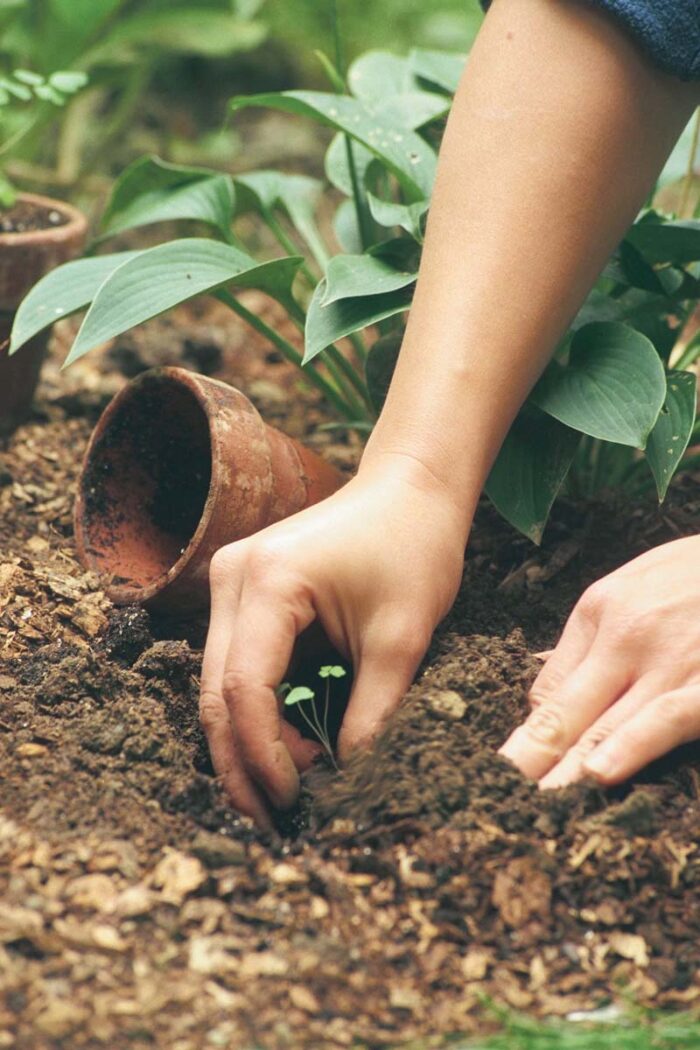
<point x="196" y="386"/>
<point x="75" y="227"/>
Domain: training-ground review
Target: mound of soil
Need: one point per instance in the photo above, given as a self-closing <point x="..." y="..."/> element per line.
<point x="24" y="217"/>
<point x="137" y="911"/>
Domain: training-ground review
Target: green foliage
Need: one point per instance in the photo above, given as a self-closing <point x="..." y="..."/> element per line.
<point x="119" y="45"/>
<point x="24" y="96"/>
<point x="301" y="694"/>
<point x="626" y="1031"/>
<point x="615" y="406"/>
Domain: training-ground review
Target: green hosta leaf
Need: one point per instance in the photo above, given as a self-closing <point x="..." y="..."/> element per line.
<point x="670" y="437"/>
<point x="345" y="228"/>
<point x="298" y="695"/>
<point x="337" y="166"/>
<point x="326" y="324"/>
<point x="379" y="367"/>
<point x="386" y="85"/>
<point x="403" y="152"/>
<point x="150" y="190"/>
<point x="443" y="69"/>
<point x="408" y="216"/>
<point x="612" y="388"/>
<point x="677" y="165"/>
<point x="63" y="292"/>
<point x="349" y="276"/>
<point x="161" y="277"/>
<point x="379" y="74"/>
<point x="667" y="242"/>
<point x="530" y="469"/>
<point x="297" y="195"/>
<point x="413" y="109"/>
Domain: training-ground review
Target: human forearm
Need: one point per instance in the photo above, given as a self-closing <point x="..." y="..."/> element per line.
<point x="557" y="133"/>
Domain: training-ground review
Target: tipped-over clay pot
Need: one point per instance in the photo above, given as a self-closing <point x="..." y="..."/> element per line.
<point x="178" y="466"/>
<point x="25" y="257"/>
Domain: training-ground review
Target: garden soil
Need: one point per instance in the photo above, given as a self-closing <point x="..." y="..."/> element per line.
<point x="425" y="883"/>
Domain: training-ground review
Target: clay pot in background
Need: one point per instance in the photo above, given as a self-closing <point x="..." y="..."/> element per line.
<point x="178" y="466"/>
<point x="24" y="259"/>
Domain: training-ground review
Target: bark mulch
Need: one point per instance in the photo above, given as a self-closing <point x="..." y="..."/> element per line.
<point x="428" y="878"/>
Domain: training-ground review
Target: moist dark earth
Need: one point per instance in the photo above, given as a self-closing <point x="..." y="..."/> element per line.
<point x="424" y="882"/>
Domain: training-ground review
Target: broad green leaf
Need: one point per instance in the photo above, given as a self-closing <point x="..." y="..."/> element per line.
<point x="345" y="228"/>
<point x="349" y="276"/>
<point x="379" y="74"/>
<point x="442" y="68"/>
<point x="150" y="190"/>
<point x="298" y="695"/>
<point x="379" y="367"/>
<point x="678" y="163"/>
<point x="675" y="242"/>
<point x="403" y="152"/>
<point x="211" y="33"/>
<point x="161" y="277"/>
<point x="337" y="166"/>
<point x="670" y="437"/>
<point x="63" y="292"/>
<point x="612" y="388"/>
<point x="530" y="469"/>
<point x="385" y="84"/>
<point x="326" y="324"/>
<point x="297" y="195"/>
<point x="413" y="109"/>
<point x="408" y="216"/>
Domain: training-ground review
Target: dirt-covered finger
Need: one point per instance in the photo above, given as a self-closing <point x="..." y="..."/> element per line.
<point x="559" y="721"/>
<point x="269" y="622"/>
<point x="658" y="727"/>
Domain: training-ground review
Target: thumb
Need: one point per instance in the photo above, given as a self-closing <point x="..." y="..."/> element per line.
<point x="383" y="676"/>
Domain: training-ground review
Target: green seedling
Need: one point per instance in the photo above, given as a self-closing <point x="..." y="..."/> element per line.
<point x="305" y="699"/>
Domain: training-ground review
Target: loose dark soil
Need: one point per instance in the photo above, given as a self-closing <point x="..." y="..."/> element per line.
<point x="24" y="217"/>
<point x="137" y="911"/>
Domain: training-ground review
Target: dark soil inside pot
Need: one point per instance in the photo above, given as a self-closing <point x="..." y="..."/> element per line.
<point x="25" y="217"/>
<point x="137" y="911"/>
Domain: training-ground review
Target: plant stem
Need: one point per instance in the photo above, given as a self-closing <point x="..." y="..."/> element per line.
<point x="288" y="244"/>
<point x="690" y="173"/>
<point x="289" y="352"/>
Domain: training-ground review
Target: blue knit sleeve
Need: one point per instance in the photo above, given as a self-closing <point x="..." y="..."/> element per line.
<point x="668" y="30"/>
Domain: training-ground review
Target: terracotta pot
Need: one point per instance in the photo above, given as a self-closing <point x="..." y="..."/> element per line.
<point x="178" y="466"/>
<point x="24" y="259"/>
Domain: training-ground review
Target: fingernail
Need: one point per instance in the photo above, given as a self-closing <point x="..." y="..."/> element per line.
<point x="601" y="763"/>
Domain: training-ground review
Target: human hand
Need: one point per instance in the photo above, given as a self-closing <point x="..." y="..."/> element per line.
<point x="622" y="686"/>
<point x="378" y="564"/>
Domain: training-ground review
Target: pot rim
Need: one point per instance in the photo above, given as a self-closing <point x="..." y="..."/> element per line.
<point x="130" y="593"/>
<point x="75" y="227"/>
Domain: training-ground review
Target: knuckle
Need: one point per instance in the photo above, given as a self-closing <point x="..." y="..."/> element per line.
<point x="403" y="640"/>
<point x="678" y="714"/>
<point x="221" y="567"/>
<point x="546" y="725"/>
<point x="232" y="686"/>
<point x="596" y="599"/>
<point x="212" y="712"/>
<point x="592" y="738"/>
